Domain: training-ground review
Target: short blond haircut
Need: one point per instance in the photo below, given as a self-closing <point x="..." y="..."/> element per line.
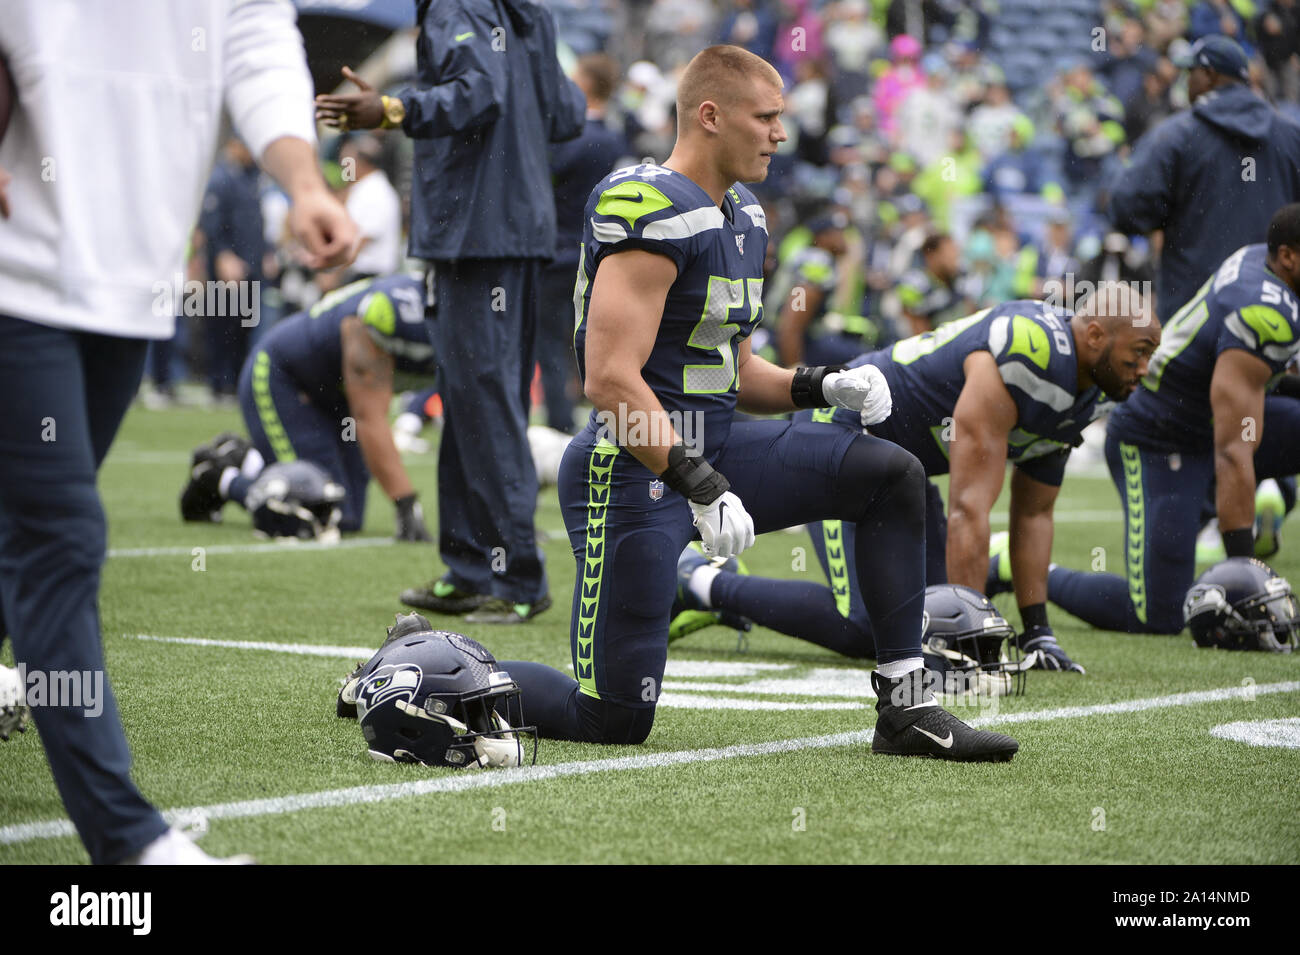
<point x="721" y="74"/>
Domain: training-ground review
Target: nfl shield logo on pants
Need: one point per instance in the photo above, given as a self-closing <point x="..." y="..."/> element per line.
<point x="656" y="490"/>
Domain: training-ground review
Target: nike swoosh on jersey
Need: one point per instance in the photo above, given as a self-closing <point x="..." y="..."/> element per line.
<point x="463" y="36"/>
<point x="945" y="743"/>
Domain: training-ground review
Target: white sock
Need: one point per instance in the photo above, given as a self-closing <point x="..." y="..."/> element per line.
<point x="702" y="583"/>
<point x="228" y="475"/>
<point x="899" y="668"/>
<point x="253" y="463"/>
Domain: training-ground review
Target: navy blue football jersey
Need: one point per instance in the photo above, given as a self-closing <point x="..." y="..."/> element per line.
<point x="714" y="304"/>
<point x="1242" y="305"/>
<point x="308" y="347"/>
<point x="1034" y="350"/>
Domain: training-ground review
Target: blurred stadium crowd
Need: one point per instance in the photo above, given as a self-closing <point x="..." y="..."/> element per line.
<point x="943" y="155"/>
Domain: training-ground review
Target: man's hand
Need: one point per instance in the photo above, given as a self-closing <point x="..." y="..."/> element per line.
<point x="1042" y="640"/>
<point x="5" y="179"/>
<point x="316" y="218"/>
<point x="344" y="111"/>
<point x="725" y="526"/>
<point x="862" y="389"/>
<point x="321" y="224"/>
<point x="410" y="519"/>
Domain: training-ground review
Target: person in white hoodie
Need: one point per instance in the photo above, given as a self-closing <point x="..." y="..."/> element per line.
<point x="102" y="170"/>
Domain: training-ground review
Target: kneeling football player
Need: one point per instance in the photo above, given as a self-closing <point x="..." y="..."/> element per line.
<point x="317" y="388"/>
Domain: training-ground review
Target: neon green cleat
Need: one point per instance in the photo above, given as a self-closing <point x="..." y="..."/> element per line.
<point x="999" y="578"/>
<point x="1270" y="510"/>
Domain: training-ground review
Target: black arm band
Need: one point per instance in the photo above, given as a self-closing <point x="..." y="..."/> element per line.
<point x="693" y="477"/>
<point x="1239" y="543"/>
<point x="1035" y="615"/>
<point x="806" y="389"/>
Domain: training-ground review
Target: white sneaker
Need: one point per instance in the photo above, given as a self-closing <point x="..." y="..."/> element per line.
<point x="173" y="848"/>
<point x="13" y="703"/>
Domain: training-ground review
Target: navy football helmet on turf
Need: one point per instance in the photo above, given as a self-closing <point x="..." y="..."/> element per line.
<point x="438" y="698"/>
<point x="966" y="641"/>
<point x="1242" y="604"/>
<point x="295" y="499"/>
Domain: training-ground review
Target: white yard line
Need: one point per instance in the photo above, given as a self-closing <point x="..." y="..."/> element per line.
<point x="553" y="533"/>
<point x="296" y="547"/>
<point x="461" y="782"/>
<point x="302" y="649"/>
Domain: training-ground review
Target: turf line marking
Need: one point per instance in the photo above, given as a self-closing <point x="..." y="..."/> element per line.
<point x="554" y="533"/>
<point x="294" y="548"/>
<point x="462" y="782"/>
<point x="303" y="649"/>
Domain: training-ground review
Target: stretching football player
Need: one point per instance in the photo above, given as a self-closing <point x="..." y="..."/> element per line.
<point x="1018" y="382"/>
<point x="1202" y="415"/>
<point x="317" y="388"/>
<point x="669" y="290"/>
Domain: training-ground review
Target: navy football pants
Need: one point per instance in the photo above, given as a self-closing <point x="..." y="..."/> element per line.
<point x="484" y="333"/>
<point x="64" y="394"/>
<point x="1162" y="496"/>
<point x="627" y="540"/>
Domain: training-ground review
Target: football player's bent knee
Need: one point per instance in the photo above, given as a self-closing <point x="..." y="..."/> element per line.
<point x="896" y="475"/>
<point x="606" y="722"/>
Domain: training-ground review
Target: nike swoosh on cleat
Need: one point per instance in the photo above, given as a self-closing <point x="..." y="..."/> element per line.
<point x="945" y="743"/>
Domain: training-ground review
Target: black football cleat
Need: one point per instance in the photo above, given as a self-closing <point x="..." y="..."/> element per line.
<point x="924" y="728"/>
<point x="498" y="611"/>
<point x="442" y="596"/>
<point x="201" y="498"/>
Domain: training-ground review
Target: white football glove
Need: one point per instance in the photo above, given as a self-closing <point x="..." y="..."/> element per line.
<point x="725" y="526"/>
<point x="862" y="389"/>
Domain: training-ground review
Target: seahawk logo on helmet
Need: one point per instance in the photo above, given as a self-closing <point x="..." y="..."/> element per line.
<point x="1242" y="604"/>
<point x="438" y="698"/>
<point x="295" y="499"/>
<point x="386" y="683"/>
<point x="964" y="639"/>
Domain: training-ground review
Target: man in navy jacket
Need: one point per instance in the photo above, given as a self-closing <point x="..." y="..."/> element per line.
<point x="491" y="96"/>
<point x="1211" y="176"/>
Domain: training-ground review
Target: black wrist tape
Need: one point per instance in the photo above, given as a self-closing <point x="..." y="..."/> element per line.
<point x="693" y="477"/>
<point x="1239" y="543"/>
<point x="1033" y="616"/>
<point x="806" y="389"/>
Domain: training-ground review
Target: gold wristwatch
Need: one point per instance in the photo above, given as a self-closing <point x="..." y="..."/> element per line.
<point x="394" y="112"/>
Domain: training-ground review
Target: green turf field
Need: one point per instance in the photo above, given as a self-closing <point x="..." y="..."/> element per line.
<point x="757" y="756"/>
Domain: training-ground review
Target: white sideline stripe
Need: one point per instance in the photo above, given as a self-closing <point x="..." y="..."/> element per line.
<point x="696" y="701"/>
<point x="294" y="548"/>
<point x="303" y="649"/>
<point x="555" y="533"/>
<point x="279" y="805"/>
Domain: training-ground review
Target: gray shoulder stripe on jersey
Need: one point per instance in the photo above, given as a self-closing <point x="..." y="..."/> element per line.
<point x="998" y="334"/>
<point x="686" y="224"/>
<point x="1234" y="324"/>
<point x="607" y="232"/>
<point x="1054" y="396"/>
<point x="756" y="215"/>
<point x="1282" y="353"/>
